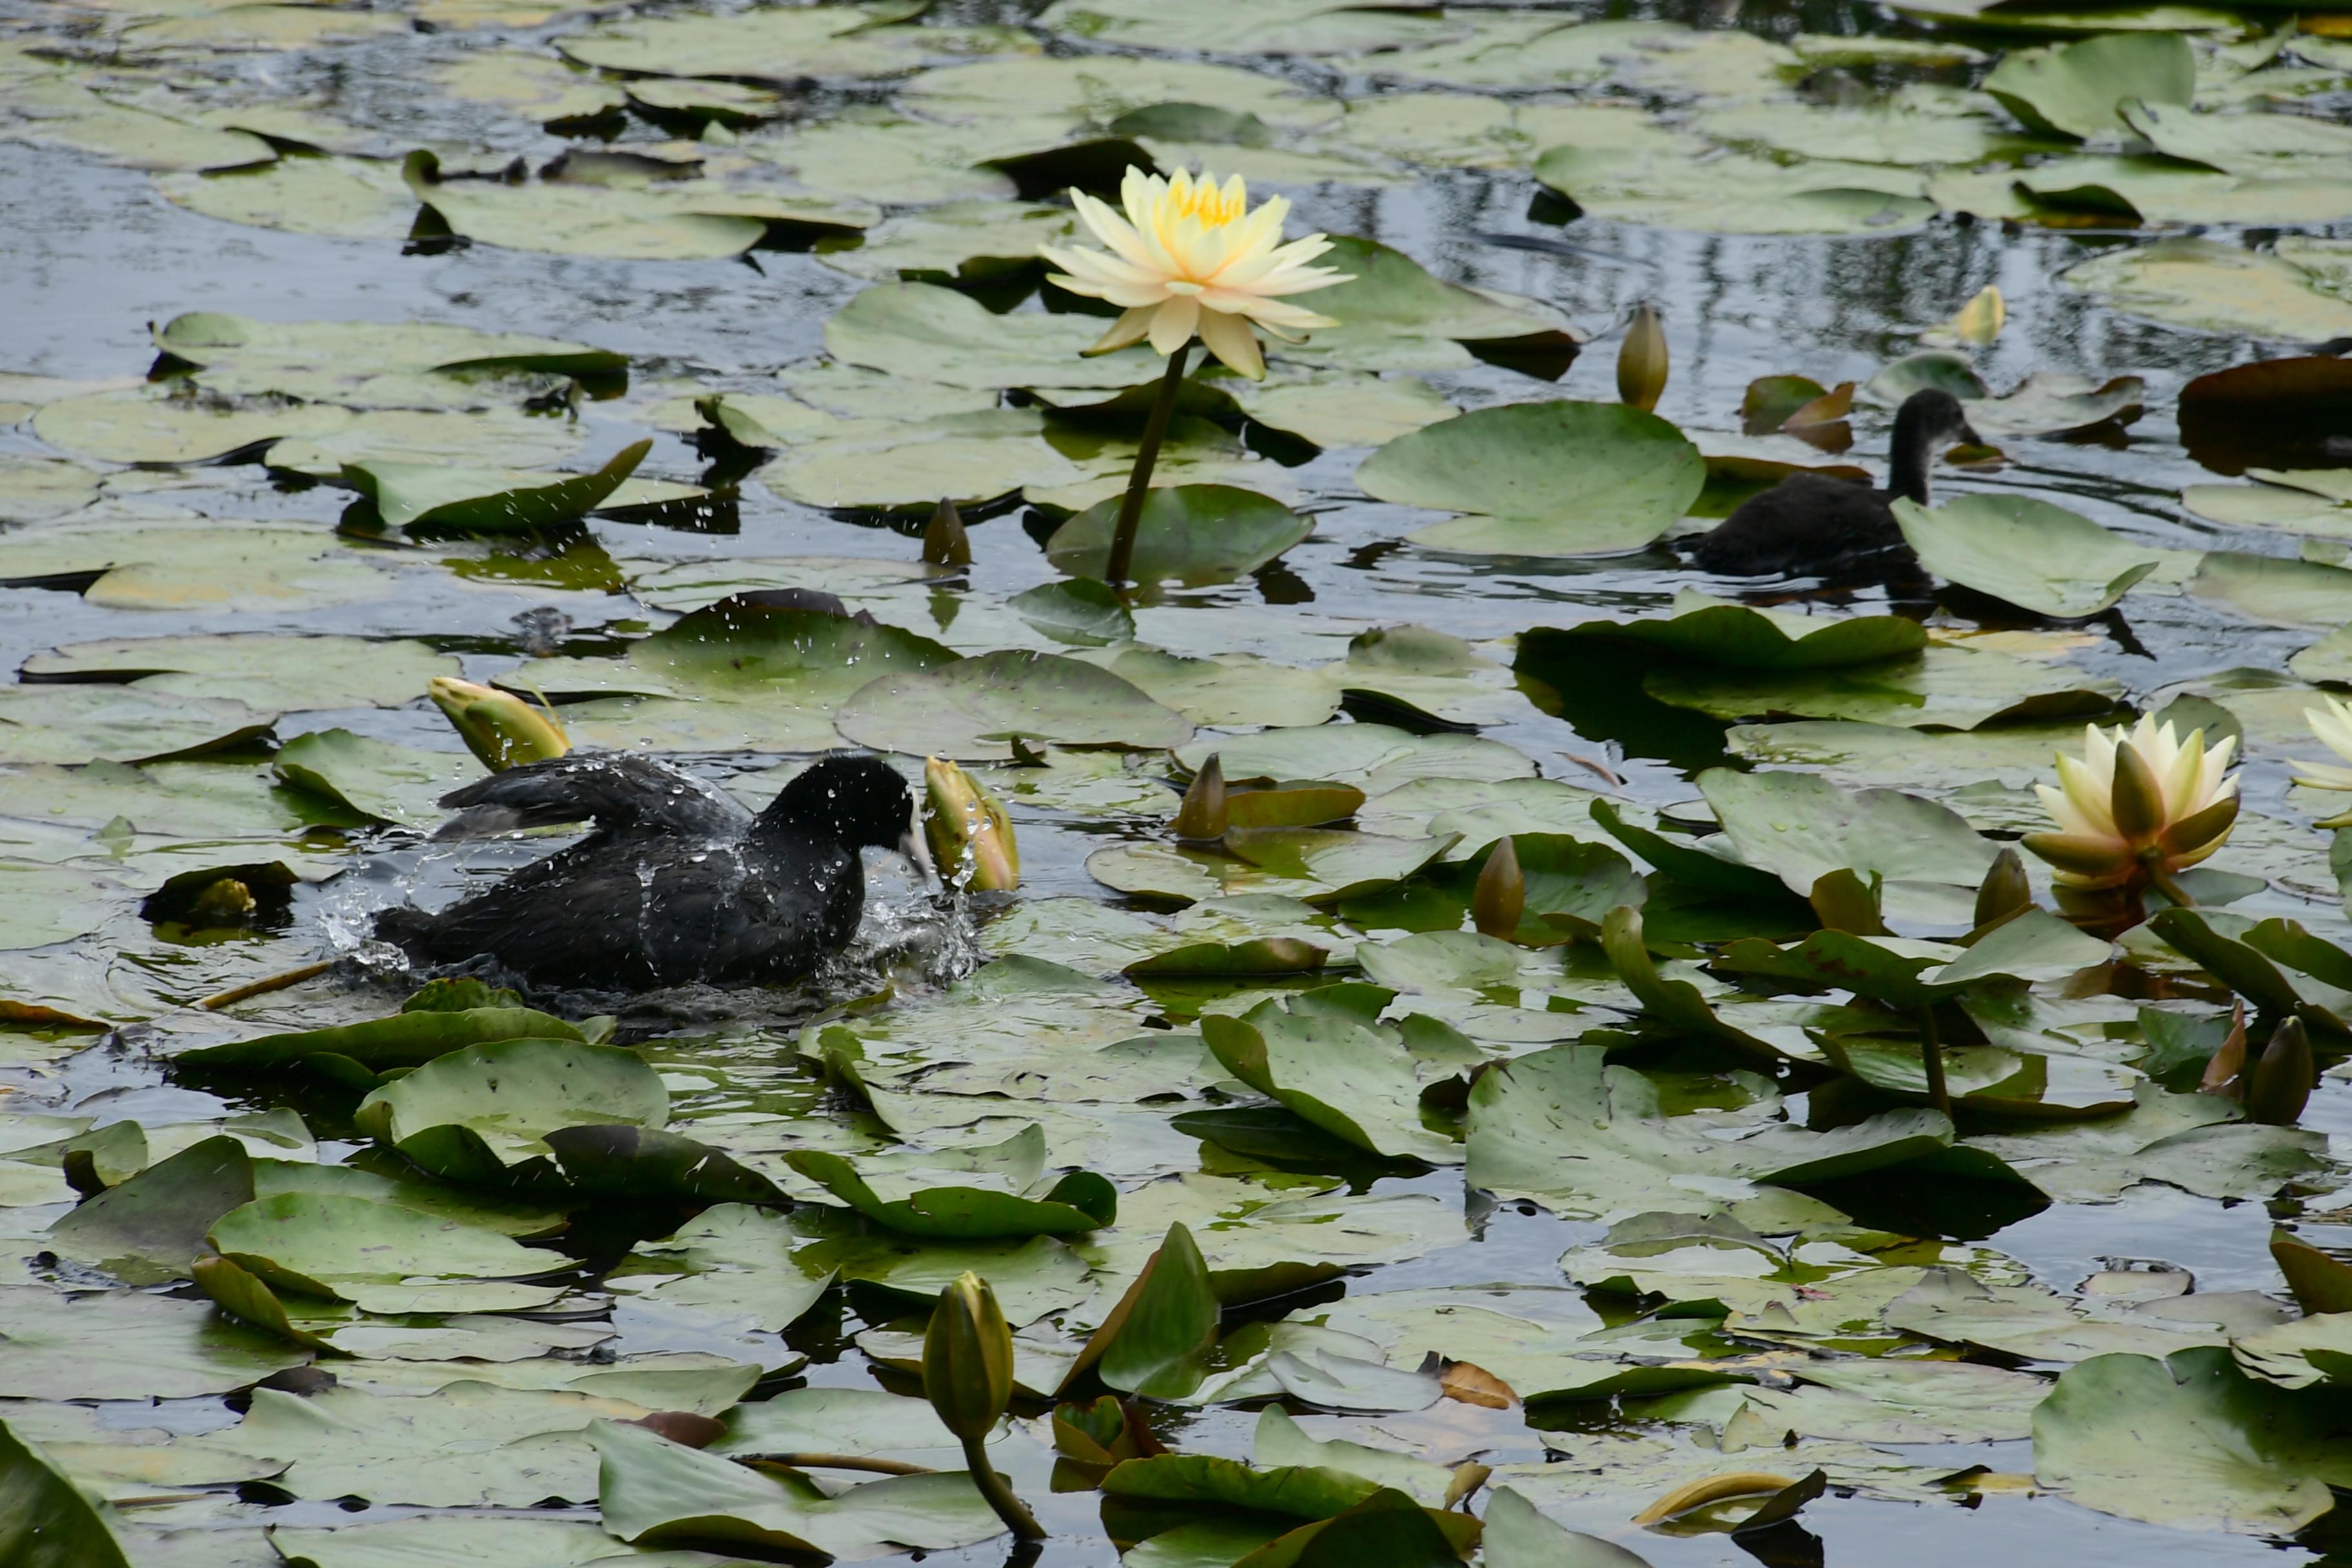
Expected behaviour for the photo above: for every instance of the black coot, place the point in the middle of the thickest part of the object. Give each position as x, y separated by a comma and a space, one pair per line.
1815, 525
678, 882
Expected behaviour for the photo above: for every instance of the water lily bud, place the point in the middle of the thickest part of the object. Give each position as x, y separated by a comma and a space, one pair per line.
1202, 814
1501, 894
1981, 319
2279, 1086
945, 543
225, 902
2004, 890
967, 1359
970, 837
1642, 359
497, 727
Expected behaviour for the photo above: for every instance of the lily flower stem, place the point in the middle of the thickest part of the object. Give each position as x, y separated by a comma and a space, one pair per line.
2172, 889
999, 1492
1139, 484
1931, 1057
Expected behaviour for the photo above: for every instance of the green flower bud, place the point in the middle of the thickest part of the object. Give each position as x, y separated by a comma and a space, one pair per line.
945, 542
497, 727
1501, 894
968, 1360
2004, 890
970, 835
1202, 814
1642, 359
2279, 1085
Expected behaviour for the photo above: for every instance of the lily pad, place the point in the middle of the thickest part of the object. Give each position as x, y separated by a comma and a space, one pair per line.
2189, 1441
1543, 478
156, 1347
46, 1521
376, 779
976, 708
473, 1113
288, 674
1326, 1056
1713, 631
2215, 288
655, 1491
1189, 534
487, 501
2079, 90
381, 1257
2029, 552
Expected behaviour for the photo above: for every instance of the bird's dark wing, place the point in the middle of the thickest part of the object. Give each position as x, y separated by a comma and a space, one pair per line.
623, 795
1807, 523
630, 914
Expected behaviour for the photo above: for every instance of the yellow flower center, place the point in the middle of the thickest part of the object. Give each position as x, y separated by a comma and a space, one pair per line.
1201, 199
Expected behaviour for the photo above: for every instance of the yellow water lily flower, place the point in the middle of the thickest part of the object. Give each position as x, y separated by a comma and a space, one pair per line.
1190, 257
2332, 725
2138, 805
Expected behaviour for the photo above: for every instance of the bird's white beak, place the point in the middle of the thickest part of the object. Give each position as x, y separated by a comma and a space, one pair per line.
911, 845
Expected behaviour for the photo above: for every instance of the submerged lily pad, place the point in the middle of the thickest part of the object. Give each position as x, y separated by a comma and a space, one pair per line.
1543, 478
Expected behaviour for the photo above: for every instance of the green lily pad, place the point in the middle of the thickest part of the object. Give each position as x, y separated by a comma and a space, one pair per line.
348, 198
675, 220
83, 724
1082, 611
2079, 89
780, 46
2215, 288
376, 779
655, 1491
1320, 866
1562, 1128
1395, 315
1374, 757
62, 113
287, 674
1713, 631
147, 1229
2237, 1455
1804, 827
361, 364
975, 708
2030, 553
472, 1113
1326, 1055
1543, 478
199, 563
156, 1347
924, 333
381, 1257
46, 1521
1191, 535
166, 424
1943, 685
768, 677
970, 242
487, 501
1077, 1202
403, 1040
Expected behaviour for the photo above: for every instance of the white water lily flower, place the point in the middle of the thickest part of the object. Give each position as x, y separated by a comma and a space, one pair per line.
2137, 802
2332, 725
1190, 257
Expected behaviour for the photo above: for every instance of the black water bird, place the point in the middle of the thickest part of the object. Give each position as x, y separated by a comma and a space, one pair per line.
677, 881
1816, 525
